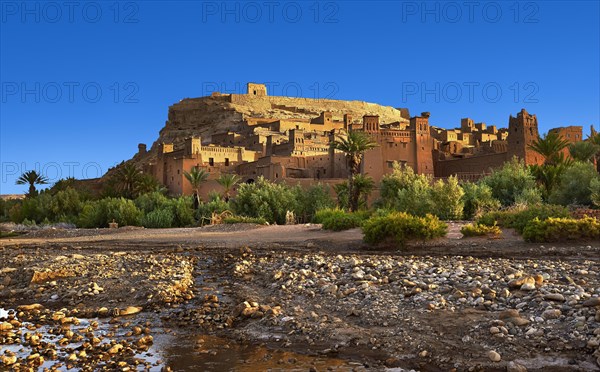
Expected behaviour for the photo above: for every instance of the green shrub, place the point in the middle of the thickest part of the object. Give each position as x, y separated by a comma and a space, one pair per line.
159, 218
475, 229
447, 197
561, 229
417, 194
266, 200
99, 213
92, 215
183, 211
510, 182
15, 213
64, 206
595, 191
529, 197
478, 199
151, 201
399, 227
215, 205
245, 219
518, 217
338, 219
311, 200
574, 185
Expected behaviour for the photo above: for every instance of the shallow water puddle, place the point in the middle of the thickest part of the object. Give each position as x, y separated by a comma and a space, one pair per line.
180, 349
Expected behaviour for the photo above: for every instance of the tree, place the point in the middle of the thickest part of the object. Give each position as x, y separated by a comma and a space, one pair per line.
353, 146
550, 146
196, 178
32, 178
574, 185
583, 151
510, 181
146, 184
594, 138
363, 186
228, 182
126, 179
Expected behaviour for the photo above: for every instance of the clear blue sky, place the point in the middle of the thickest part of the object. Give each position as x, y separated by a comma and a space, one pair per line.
84, 82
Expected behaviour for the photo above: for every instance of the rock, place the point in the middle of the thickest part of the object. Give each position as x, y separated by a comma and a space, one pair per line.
359, 275
554, 297
494, 356
494, 330
30, 307
516, 283
528, 284
594, 301
130, 310
115, 349
551, 314
8, 360
5, 326
515, 367
509, 313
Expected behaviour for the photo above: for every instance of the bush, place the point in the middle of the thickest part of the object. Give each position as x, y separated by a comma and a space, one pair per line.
475, 229
338, 220
64, 206
595, 191
478, 199
183, 211
151, 201
159, 218
561, 229
245, 219
510, 182
264, 199
311, 200
447, 197
215, 205
100, 213
417, 194
399, 227
574, 185
518, 217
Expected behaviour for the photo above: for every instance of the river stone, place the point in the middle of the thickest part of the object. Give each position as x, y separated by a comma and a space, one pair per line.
528, 284
594, 301
494, 356
551, 314
515, 367
554, 297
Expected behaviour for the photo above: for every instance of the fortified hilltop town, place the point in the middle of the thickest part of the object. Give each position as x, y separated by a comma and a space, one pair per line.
288, 139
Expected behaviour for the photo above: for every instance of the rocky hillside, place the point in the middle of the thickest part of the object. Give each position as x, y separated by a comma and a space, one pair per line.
207, 115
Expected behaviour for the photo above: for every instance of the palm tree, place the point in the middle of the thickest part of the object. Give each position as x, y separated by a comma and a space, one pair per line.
32, 178
363, 185
594, 138
127, 179
353, 145
196, 177
583, 151
550, 146
146, 183
228, 181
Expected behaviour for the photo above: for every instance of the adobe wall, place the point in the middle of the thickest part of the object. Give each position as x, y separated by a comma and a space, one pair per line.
469, 165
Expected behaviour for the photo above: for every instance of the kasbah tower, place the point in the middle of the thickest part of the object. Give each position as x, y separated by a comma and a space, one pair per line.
522, 132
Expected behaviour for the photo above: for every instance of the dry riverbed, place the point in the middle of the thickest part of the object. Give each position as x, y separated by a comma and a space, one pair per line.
294, 297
